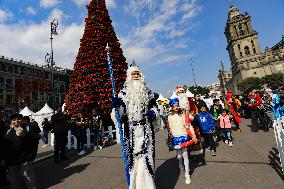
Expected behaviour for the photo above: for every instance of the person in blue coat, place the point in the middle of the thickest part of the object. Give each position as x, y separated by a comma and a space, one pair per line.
278, 108
207, 126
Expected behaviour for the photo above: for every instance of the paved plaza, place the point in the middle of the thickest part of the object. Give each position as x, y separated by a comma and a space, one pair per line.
246, 165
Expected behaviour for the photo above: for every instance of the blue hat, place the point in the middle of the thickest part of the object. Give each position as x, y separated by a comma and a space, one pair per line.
174, 101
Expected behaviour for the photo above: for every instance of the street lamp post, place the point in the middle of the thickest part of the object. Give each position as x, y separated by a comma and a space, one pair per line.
49, 58
190, 62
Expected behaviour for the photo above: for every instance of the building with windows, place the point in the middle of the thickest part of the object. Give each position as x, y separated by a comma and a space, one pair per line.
247, 59
214, 88
25, 84
225, 79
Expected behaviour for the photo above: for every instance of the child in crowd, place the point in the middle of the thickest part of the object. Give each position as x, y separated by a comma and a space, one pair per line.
207, 125
182, 134
80, 133
226, 127
215, 110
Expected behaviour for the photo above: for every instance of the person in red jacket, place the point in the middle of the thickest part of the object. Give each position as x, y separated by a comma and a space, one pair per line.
255, 102
232, 105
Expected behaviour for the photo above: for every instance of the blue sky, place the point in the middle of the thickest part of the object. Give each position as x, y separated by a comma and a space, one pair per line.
160, 35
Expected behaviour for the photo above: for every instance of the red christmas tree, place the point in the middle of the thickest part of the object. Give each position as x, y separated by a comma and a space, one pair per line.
90, 86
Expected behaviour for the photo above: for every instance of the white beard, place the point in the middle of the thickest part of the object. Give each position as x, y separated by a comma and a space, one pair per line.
137, 99
183, 101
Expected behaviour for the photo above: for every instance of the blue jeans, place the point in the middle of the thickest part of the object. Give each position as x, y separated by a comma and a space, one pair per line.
44, 137
97, 138
227, 134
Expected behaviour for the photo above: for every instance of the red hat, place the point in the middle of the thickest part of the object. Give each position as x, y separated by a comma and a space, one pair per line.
179, 89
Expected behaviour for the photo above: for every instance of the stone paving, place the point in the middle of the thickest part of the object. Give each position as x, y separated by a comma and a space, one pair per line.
246, 165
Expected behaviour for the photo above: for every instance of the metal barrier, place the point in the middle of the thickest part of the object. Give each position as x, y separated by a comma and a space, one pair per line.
278, 126
72, 140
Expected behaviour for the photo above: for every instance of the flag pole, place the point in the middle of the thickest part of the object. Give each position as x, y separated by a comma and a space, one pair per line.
117, 115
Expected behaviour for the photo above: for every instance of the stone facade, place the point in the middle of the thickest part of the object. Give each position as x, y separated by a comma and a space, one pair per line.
214, 88
247, 59
225, 78
25, 84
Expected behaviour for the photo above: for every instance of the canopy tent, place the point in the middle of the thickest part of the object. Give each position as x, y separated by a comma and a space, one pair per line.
189, 94
174, 95
45, 112
27, 112
161, 98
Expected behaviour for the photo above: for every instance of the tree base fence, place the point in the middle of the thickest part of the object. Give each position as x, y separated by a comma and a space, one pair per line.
72, 140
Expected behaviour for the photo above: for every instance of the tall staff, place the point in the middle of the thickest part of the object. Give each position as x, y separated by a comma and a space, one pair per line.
117, 115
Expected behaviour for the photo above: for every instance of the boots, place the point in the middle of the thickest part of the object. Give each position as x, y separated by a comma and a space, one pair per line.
187, 179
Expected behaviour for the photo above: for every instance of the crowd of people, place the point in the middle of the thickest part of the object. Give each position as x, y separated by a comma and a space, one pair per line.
194, 124
20, 136
200, 123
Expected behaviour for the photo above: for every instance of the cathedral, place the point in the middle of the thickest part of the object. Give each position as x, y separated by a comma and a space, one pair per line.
247, 59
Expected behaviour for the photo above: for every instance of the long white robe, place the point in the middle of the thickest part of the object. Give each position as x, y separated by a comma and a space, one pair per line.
139, 145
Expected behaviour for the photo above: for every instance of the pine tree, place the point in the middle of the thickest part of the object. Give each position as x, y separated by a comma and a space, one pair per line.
90, 86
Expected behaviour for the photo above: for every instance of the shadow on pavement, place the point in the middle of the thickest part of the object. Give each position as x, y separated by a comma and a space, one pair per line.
49, 174
195, 162
167, 174
168, 180
274, 162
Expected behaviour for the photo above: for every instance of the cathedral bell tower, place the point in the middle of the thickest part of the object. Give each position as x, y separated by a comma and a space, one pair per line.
243, 45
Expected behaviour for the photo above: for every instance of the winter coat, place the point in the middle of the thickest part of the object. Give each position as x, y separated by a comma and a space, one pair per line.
278, 108
218, 111
206, 122
255, 101
2, 134
225, 122
17, 149
34, 131
46, 126
59, 123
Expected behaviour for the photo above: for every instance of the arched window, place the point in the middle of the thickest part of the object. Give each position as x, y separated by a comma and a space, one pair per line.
235, 27
239, 46
247, 52
242, 32
252, 43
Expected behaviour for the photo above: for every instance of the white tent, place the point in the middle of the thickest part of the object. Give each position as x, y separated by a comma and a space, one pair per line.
161, 98
174, 95
189, 94
63, 107
27, 112
45, 112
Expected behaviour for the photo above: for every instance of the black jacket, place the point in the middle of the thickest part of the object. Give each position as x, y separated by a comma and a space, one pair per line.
59, 123
219, 111
34, 134
17, 149
46, 126
2, 134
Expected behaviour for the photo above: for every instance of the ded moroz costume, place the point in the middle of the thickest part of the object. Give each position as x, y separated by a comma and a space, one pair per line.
135, 102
